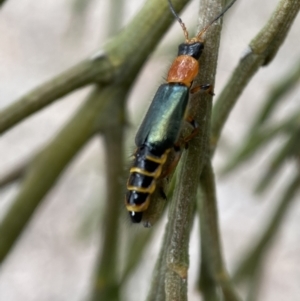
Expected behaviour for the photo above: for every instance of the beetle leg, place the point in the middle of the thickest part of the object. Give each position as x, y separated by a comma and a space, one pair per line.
162, 193
207, 88
195, 130
173, 160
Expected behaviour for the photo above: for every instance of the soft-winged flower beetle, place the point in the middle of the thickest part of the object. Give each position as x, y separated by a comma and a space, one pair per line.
160, 138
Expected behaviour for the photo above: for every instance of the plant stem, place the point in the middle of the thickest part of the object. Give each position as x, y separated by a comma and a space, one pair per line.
262, 50
127, 53
86, 72
157, 290
45, 169
181, 211
210, 235
2, 2
14, 174
206, 283
107, 281
276, 95
118, 61
255, 256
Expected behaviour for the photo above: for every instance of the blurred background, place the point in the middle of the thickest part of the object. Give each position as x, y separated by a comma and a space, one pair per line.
55, 256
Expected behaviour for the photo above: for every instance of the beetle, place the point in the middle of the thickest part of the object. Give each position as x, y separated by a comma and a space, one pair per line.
159, 139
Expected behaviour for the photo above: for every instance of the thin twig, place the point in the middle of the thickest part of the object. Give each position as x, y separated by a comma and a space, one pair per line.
157, 290
255, 284
255, 256
106, 284
86, 72
140, 239
49, 163
289, 150
14, 174
117, 61
2, 2
207, 284
210, 235
181, 212
261, 50
280, 88
260, 138
127, 59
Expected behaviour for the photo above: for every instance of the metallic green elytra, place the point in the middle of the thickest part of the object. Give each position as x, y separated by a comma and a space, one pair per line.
162, 123
155, 139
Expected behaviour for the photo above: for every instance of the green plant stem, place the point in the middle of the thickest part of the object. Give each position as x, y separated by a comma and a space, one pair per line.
181, 211
86, 72
45, 169
280, 88
106, 285
290, 149
255, 284
206, 283
127, 59
157, 290
118, 61
261, 137
2, 2
210, 235
255, 257
14, 174
140, 240
125, 54
262, 50
129, 49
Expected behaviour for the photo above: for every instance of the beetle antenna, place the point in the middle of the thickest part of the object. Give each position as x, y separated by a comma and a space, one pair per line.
214, 20
185, 32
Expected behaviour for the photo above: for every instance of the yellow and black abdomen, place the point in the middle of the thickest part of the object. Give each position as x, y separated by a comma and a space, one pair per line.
145, 171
